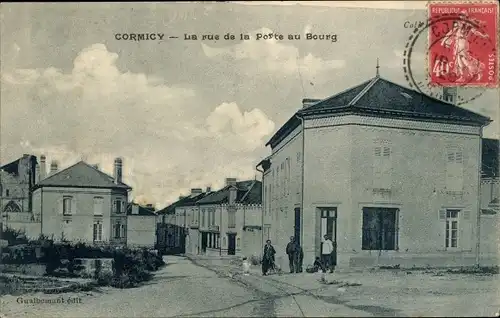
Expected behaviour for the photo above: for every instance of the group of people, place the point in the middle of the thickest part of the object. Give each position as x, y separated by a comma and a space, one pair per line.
327, 261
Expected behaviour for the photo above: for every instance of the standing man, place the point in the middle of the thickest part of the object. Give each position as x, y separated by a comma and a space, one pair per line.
326, 254
291, 249
298, 258
268, 257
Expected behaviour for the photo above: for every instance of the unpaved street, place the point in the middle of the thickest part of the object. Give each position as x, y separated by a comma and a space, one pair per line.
184, 288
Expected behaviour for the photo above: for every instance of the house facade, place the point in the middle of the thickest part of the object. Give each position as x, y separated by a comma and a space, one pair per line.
82, 203
173, 227
490, 206
390, 174
141, 226
223, 222
229, 220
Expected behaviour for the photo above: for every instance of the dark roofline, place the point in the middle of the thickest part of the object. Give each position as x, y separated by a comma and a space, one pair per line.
294, 121
38, 186
225, 189
118, 186
143, 211
184, 202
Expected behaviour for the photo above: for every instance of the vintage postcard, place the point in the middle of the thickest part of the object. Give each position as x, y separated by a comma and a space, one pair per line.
250, 159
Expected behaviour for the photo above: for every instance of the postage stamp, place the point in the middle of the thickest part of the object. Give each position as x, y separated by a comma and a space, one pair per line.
463, 44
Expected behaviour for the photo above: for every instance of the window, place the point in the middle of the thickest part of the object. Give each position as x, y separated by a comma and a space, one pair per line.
451, 229
97, 232
124, 230
265, 199
118, 206
117, 230
382, 167
283, 179
213, 216
288, 174
278, 182
98, 205
67, 203
380, 230
12, 207
328, 223
7, 192
454, 170
231, 218
202, 217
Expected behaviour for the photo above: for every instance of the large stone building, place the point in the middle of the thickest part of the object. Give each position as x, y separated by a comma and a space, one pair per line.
82, 203
392, 175
17, 180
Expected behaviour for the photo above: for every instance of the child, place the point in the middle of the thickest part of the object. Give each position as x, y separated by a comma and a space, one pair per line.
317, 265
246, 266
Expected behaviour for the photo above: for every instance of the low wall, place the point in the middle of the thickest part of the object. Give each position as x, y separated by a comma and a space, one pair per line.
32, 230
89, 265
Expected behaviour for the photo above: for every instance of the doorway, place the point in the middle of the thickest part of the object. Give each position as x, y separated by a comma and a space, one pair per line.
329, 227
203, 242
231, 244
296, 228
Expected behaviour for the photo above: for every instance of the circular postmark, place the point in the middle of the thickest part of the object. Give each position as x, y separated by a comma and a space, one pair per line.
421, 73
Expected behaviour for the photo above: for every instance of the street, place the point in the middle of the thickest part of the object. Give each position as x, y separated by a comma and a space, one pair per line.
184, 288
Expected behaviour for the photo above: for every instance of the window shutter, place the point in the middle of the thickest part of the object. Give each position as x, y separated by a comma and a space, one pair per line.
466, 240
73, 206
442, 215
387, 152
123, 206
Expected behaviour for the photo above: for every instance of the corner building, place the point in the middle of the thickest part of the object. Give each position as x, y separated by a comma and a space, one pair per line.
392, 175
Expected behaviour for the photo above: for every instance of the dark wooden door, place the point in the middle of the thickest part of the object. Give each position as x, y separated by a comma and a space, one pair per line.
231, 244
296, 230
203, 242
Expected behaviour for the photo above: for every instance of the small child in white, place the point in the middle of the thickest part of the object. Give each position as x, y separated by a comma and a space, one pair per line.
246, 266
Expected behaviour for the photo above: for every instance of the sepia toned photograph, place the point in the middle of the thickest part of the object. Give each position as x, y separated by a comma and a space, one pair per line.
250, 159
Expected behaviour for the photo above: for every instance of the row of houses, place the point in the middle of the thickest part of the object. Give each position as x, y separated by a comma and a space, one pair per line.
391, 175
79, 204
223, 222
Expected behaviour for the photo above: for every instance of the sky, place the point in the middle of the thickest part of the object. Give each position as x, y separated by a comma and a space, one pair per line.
185, 113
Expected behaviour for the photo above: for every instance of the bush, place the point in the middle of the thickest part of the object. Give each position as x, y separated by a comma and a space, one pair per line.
14, 237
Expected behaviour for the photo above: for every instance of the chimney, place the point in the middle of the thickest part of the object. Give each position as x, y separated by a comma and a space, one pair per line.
150, 206
209, 189
232, 190
135, 208
53, 167
230, 181
118, 170
196, 191
306, 102
96, 166
43, 167
37, 174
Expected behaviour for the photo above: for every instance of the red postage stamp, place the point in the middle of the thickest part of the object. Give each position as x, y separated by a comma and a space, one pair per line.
463, 44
